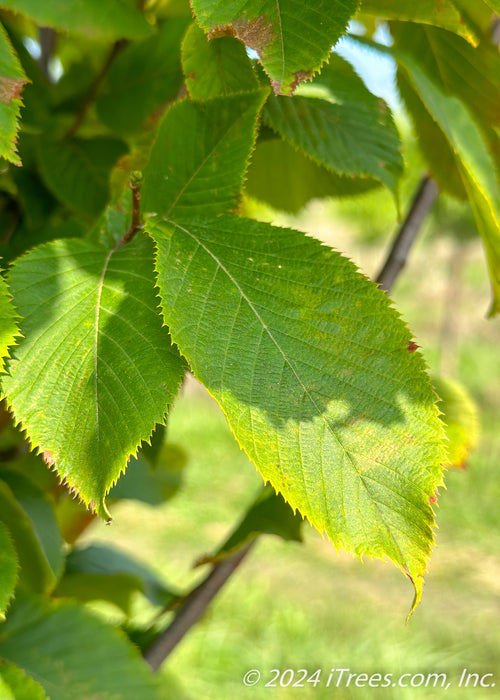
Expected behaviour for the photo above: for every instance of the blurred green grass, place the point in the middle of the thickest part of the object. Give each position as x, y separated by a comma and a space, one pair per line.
304, 606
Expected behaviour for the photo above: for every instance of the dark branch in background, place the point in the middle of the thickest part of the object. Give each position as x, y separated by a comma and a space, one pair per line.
423, 200
94, 88
194, 607
47, 38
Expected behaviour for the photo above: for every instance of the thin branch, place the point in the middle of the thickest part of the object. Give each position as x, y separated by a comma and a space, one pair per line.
136, 223
47, 38
94, 88
194, 607
425, 197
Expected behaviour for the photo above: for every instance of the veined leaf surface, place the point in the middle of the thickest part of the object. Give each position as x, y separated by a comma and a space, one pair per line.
217, 67
95, 370
8, 325
345, 128
293, 39
200, 156
12, 80
312, 368
72, 654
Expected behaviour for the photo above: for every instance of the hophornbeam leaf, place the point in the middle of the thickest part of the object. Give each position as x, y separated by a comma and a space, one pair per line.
95, 370
317, 376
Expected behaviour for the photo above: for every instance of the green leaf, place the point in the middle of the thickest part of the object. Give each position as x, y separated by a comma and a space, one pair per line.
216, 67
200, 156
312, 368
287, 179
471, 74
73, 654
270, 515
474, 161
35, 572
8, 569
342, 127
102, 562
460, 418
152, 484
38, 507
444, 13
8, 322
117, 19
292, 39
144, 76
77, 171
12, 81
16, 685
95, 356
494, 4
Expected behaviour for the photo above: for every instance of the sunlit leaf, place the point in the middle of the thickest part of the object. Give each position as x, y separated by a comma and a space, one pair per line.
95, 370
8, 322
315, 374
200, 156
292, 39
15, 684
12, 81
341, 125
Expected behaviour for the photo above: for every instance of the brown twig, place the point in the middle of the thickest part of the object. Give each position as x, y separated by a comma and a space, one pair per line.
94, 88
47, 38
136, 223
194, 607
421, 205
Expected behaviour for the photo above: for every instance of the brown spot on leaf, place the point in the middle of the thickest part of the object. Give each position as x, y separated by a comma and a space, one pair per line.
10, 88
49, 459
412, 346
433, 499
256, 33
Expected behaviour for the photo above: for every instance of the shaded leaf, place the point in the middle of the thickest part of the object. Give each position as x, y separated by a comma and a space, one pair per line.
292, 39
152, 484
216, 67
118, 19
200, 156
460, 418
270, 515
343, 127
77, 171
472, 74
287, 179
144, 76
445, 14
8, 569
94, 354
8, 322
35, 572
474, 161
38, 508
74, 655
311, 367
99, 565
15, 684
12, 81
